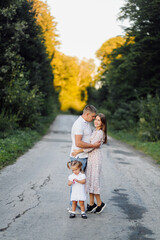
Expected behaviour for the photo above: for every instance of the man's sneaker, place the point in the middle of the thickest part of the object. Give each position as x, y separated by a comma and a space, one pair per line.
90, 208
84, 216
100, 208
72, 215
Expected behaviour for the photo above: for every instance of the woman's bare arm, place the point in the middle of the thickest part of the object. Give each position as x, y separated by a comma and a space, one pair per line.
79, 143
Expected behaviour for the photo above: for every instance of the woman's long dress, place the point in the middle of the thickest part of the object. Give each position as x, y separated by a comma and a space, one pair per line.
94, 164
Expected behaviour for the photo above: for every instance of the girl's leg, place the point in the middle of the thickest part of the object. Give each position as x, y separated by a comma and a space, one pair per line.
81, 203
98, 199
91, 197
74, 204
83, 214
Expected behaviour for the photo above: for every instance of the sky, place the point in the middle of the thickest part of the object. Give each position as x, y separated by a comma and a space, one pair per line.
84, 25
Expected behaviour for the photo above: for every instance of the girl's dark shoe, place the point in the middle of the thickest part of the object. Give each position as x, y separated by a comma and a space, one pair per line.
72, 215
90, 208
84, 216
100, 208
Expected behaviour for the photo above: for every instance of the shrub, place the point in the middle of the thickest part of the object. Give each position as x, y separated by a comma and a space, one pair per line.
7, 123
126, 116
149, 118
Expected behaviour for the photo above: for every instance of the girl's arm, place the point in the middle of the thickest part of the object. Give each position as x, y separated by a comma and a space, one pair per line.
70, 183
83, 181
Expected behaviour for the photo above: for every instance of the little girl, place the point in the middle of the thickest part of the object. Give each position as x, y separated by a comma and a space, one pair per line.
77, 179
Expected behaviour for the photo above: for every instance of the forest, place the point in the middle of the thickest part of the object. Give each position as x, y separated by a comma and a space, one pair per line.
37, 81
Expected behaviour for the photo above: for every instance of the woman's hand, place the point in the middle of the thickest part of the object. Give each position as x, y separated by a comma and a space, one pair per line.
76, 151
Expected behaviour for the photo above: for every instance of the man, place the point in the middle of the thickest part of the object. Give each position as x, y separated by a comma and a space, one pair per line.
81, 133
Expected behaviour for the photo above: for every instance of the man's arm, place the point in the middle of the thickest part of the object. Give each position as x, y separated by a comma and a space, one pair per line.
79, 143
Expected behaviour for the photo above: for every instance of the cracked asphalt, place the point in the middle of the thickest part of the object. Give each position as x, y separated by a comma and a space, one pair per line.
34, 195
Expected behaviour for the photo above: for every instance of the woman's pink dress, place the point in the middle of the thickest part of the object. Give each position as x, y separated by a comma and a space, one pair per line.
94, 164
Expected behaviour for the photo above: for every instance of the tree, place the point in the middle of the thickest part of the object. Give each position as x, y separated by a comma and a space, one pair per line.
105, 50
71, 79
48, 26
25, 73
145, 27
131, 71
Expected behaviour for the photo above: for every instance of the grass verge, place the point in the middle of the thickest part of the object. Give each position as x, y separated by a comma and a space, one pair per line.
152, 149
17, 142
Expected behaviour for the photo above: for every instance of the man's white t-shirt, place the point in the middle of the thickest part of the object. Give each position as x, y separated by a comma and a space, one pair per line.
80, 127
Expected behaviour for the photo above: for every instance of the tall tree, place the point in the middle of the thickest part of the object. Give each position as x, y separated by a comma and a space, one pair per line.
145, 27
48, 25
131, 71
25, 72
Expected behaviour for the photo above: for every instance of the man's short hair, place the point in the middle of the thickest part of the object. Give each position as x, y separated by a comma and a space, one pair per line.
89, 108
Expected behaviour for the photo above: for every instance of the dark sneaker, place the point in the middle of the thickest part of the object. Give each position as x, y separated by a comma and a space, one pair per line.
84, 216
90, 208
100, 208
72, 215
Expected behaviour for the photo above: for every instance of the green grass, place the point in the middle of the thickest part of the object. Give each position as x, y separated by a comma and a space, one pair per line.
151, 149
15, 143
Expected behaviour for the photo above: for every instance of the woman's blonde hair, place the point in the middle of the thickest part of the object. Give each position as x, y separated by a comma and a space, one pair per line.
104, 125
76, 163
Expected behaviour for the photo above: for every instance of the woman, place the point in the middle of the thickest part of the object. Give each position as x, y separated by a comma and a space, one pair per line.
94, 164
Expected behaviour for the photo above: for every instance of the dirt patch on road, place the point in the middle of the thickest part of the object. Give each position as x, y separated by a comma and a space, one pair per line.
133, 212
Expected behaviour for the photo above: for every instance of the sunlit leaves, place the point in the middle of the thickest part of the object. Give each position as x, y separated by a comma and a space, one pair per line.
48, 25
104, 52
71, 78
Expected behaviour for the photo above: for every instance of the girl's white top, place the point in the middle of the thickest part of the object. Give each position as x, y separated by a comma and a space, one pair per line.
78, 189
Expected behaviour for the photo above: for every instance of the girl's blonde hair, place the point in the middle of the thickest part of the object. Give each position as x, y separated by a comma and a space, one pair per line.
76, 163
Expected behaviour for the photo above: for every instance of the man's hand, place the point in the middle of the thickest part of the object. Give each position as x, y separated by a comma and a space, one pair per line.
97, 144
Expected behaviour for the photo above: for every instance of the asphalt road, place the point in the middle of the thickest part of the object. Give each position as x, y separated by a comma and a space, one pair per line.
34, 195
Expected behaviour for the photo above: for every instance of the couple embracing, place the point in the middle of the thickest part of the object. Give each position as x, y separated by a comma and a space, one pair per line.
85, 161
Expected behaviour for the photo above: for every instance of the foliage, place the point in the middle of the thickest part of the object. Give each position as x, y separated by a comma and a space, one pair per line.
71, 78
131, 137
149, 118
48, 25
13, 143
7, 123
130, 71
25, 74
105, 50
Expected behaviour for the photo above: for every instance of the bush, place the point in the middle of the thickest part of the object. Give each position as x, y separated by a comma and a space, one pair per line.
7, 123
23, 102
125, 116
149, 119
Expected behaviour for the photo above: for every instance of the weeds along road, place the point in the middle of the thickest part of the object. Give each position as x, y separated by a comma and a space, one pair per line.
34, 195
